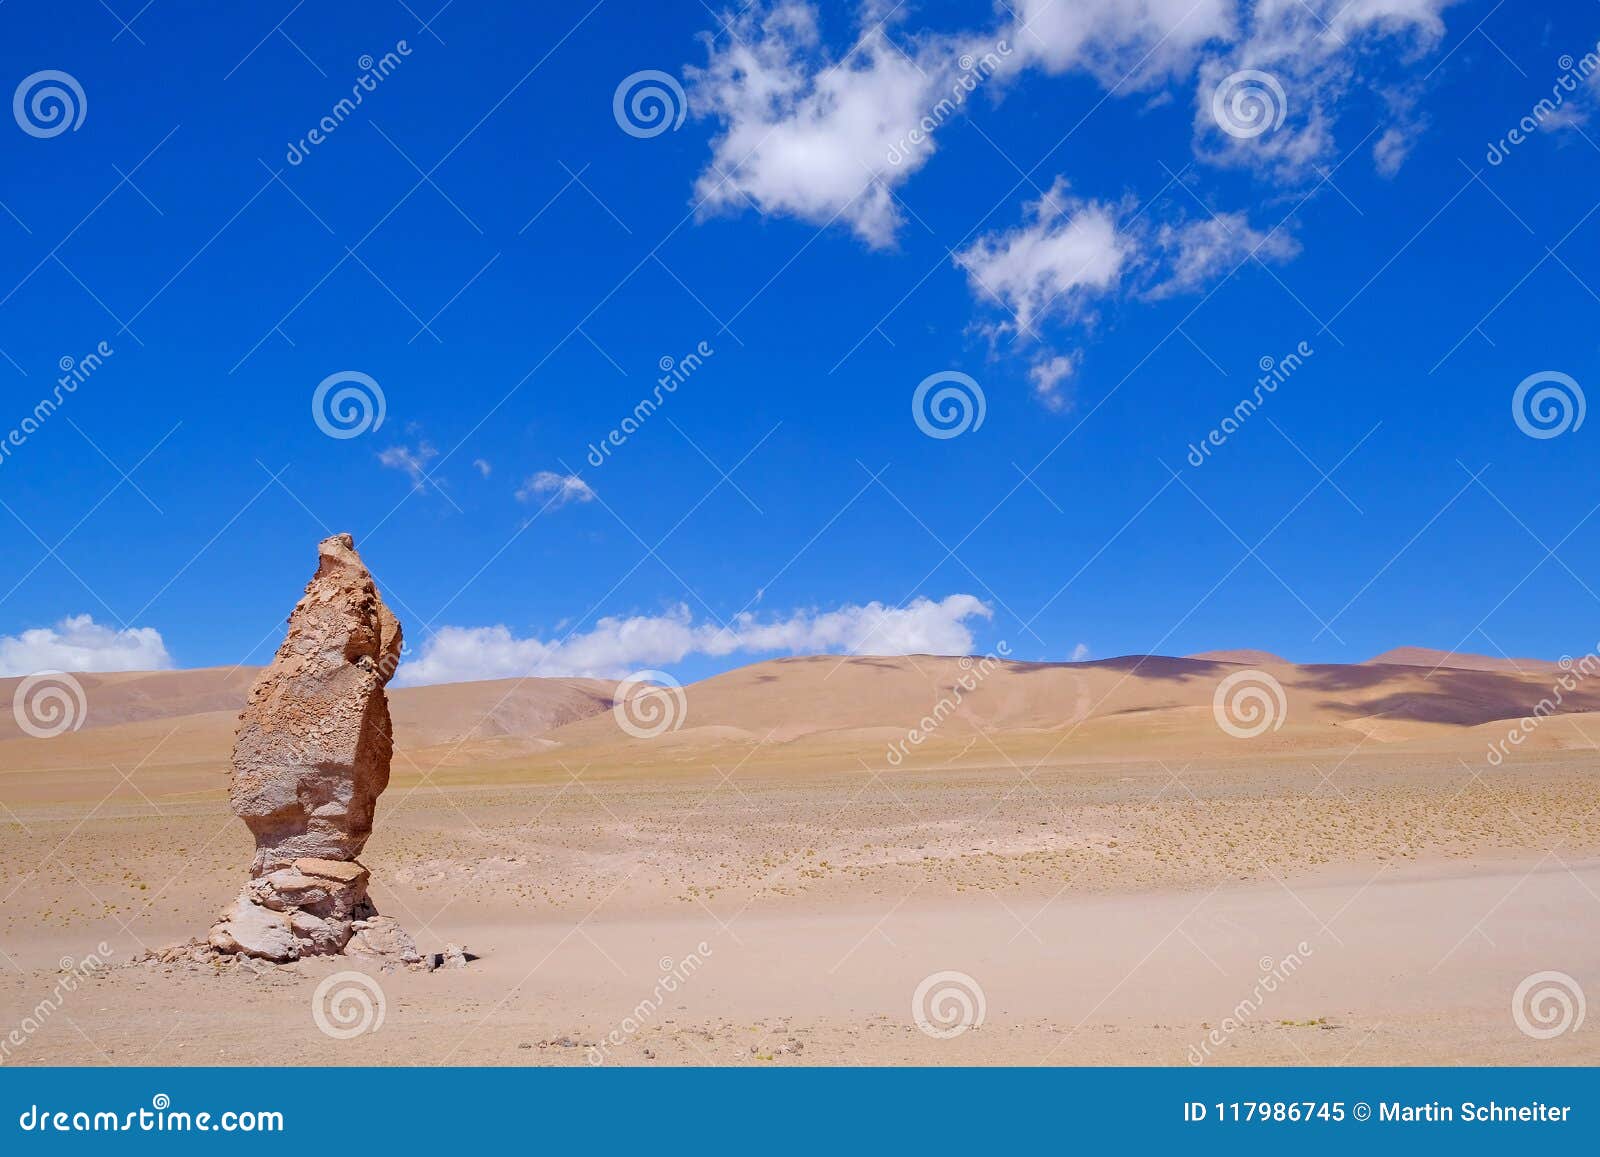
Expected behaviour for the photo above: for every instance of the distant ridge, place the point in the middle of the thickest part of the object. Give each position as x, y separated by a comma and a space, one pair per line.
1241, 655
1427, 657
919, 707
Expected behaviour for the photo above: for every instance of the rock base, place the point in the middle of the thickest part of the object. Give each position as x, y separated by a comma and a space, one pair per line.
314, 907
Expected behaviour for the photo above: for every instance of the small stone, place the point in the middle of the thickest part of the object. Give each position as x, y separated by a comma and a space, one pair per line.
252, 930
345, 871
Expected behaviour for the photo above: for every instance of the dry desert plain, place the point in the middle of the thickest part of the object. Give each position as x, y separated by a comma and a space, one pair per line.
1116, 875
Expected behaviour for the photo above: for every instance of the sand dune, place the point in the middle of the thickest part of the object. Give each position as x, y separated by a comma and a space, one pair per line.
1121, 706
130, 696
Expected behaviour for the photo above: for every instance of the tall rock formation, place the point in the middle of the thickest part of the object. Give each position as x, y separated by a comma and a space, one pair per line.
310, 759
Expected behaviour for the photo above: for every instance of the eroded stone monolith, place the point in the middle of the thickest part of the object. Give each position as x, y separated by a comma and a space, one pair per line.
310, 758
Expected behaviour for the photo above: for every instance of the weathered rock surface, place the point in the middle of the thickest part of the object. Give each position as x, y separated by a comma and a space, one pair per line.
310, 759
383, 936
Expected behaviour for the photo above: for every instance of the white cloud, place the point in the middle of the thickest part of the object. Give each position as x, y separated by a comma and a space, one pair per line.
563, 488
1390, 150
482, 466
1315, 52
1576, 107
414, 462
808, 135
1190, 255
618, 646
1068, 251
1071, 252
1121, 43
812, 133
1048, 376
78, 643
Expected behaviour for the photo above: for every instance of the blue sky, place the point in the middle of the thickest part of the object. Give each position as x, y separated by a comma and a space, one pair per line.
1080, 235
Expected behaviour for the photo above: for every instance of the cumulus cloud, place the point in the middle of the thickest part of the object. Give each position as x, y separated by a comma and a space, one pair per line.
1121, 43
809, 132
78, 643
1070, 253
563, 488
618, 646
1067, 251
820, 137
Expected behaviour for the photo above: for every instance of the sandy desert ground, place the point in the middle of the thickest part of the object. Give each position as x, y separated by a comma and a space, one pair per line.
1077, 857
